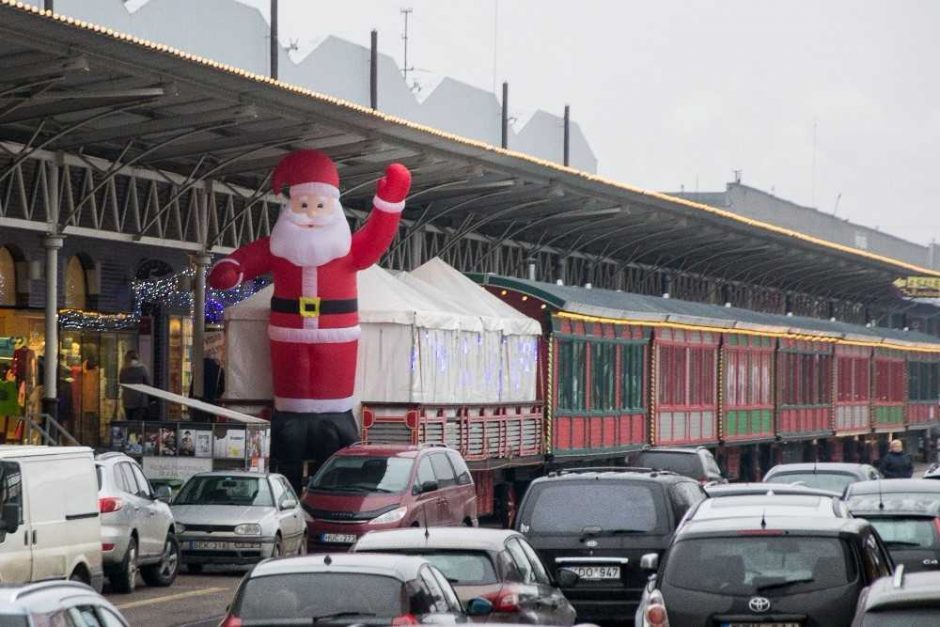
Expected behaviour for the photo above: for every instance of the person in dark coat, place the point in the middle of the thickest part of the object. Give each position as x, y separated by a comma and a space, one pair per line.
135, 403
896, 464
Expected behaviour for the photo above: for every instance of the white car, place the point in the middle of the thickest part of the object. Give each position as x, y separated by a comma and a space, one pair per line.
137, 530
238, 518
56, 603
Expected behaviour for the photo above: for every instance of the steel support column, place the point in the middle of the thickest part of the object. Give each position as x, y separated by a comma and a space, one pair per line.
200, 264
52, 243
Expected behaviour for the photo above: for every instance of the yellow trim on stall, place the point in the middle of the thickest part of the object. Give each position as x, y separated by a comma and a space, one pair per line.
777, 334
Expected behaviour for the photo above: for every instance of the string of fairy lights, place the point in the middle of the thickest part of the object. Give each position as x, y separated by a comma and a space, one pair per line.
174, 292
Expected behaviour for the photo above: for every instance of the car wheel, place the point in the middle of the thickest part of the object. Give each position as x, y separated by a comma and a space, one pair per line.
124, 579
163, 573
193, 569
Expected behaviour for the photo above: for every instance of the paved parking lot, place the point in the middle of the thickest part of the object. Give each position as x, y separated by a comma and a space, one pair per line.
193, 601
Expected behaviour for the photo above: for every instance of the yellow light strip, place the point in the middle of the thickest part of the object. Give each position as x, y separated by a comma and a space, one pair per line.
707, 329
593, 178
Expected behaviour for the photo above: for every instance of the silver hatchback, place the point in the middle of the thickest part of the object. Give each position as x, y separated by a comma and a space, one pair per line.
138, 533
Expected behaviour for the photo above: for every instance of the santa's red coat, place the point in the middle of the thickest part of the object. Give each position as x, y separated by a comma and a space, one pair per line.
313, 359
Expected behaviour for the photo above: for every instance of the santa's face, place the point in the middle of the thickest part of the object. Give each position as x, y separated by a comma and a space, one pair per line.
312, 228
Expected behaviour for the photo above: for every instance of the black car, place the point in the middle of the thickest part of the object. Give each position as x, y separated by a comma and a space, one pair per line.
696, 463
906, 513
598, 523
764, 570
348, 589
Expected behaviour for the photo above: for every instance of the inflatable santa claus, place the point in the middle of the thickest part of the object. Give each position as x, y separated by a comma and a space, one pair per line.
314, 324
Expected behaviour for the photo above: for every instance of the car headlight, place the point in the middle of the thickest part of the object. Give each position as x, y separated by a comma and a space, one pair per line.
389, 517
248, 529
180, 527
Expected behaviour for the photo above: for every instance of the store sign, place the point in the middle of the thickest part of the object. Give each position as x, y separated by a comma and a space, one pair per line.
175, 467
919, 286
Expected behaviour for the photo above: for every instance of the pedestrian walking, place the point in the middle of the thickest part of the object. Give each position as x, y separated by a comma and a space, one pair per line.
896, 464
135, 403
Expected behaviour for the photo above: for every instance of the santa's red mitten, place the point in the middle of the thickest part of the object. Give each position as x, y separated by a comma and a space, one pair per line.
392, 189
225, 275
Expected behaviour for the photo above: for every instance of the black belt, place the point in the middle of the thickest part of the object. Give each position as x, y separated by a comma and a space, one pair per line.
313, 306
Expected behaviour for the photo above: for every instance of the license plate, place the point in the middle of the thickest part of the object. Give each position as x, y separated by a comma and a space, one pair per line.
760, 625
595, 573
208, 545
337, 538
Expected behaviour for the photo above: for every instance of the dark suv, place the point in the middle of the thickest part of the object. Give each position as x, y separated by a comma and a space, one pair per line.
697, 463
598, 522
764, 570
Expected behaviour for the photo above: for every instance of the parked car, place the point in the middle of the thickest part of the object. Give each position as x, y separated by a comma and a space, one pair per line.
904, 600
49, 521
496, 564
716, 491
697, 463
369, 487
56, 603
763, 570
755, 506
906, 513
599, 523
343, 588
137, 529
832, 476
237, 518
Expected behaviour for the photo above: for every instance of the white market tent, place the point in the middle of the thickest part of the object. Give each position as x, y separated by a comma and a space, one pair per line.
421, 343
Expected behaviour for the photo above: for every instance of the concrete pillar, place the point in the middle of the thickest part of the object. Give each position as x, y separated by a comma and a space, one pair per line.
200, 263
52, 244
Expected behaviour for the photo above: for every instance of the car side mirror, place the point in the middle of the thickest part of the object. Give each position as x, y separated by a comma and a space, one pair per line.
567, 578
428, 486
288, 503
10, 517
478, 606
650, 562
163, 493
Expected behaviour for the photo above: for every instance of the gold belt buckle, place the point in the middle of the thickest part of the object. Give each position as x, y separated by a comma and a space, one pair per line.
309, 306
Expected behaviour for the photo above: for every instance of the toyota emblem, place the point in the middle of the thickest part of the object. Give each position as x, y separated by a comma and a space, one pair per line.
759, 604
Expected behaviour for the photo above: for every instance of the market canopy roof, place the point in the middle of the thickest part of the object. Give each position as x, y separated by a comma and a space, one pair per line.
614, 305
87, 96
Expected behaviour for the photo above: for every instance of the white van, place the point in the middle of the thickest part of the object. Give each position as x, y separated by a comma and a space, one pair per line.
49, 522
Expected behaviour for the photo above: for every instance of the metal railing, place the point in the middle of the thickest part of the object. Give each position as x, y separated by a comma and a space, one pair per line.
50, 431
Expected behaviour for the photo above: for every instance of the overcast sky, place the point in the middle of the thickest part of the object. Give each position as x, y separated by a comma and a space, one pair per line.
677, 93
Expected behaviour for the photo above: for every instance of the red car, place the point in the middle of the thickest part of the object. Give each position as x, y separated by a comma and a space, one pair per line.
369, 487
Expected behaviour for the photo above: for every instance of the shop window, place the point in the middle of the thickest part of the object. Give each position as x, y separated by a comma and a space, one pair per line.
571, 379
76, 290
632, 376
7, 277
603, 387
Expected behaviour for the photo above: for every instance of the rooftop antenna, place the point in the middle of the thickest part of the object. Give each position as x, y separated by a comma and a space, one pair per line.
881, 502
404, 36
835, 209
763, 519
327, 560
812, 191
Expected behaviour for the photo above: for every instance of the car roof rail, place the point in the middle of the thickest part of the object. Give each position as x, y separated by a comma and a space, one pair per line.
110, 454
899, 576
624, 469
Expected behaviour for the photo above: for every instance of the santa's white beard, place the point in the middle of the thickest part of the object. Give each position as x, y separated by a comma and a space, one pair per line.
305, 246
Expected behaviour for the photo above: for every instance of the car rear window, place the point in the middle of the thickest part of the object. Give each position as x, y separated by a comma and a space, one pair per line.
462, 568
9, 620
571, 506
315, 596
685, 464
910, 501
903, 532
361, 473
745, 565
903, 617
833, 481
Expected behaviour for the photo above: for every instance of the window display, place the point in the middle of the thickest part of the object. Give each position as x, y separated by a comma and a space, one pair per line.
179, 359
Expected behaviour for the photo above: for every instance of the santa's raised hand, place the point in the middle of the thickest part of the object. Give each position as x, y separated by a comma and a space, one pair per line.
393, 187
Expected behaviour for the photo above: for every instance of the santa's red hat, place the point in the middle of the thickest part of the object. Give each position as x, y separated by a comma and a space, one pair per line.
307, 171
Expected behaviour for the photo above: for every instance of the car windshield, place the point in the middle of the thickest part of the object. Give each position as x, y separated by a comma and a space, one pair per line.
462, 568
361, 473
747, 565
825, 480
685, 464
310, 596
903, 617
903, 532
598, 507
225, 490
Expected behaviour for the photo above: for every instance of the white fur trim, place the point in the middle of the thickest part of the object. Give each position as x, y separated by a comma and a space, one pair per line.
319, 405
241, 273
314, 336
390, 207
317, 189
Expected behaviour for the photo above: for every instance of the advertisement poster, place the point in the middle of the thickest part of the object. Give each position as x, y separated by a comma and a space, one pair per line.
151, 440
167, 441
229, 442
118, 437
203, 443
135, 440
187, 442
174, 467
